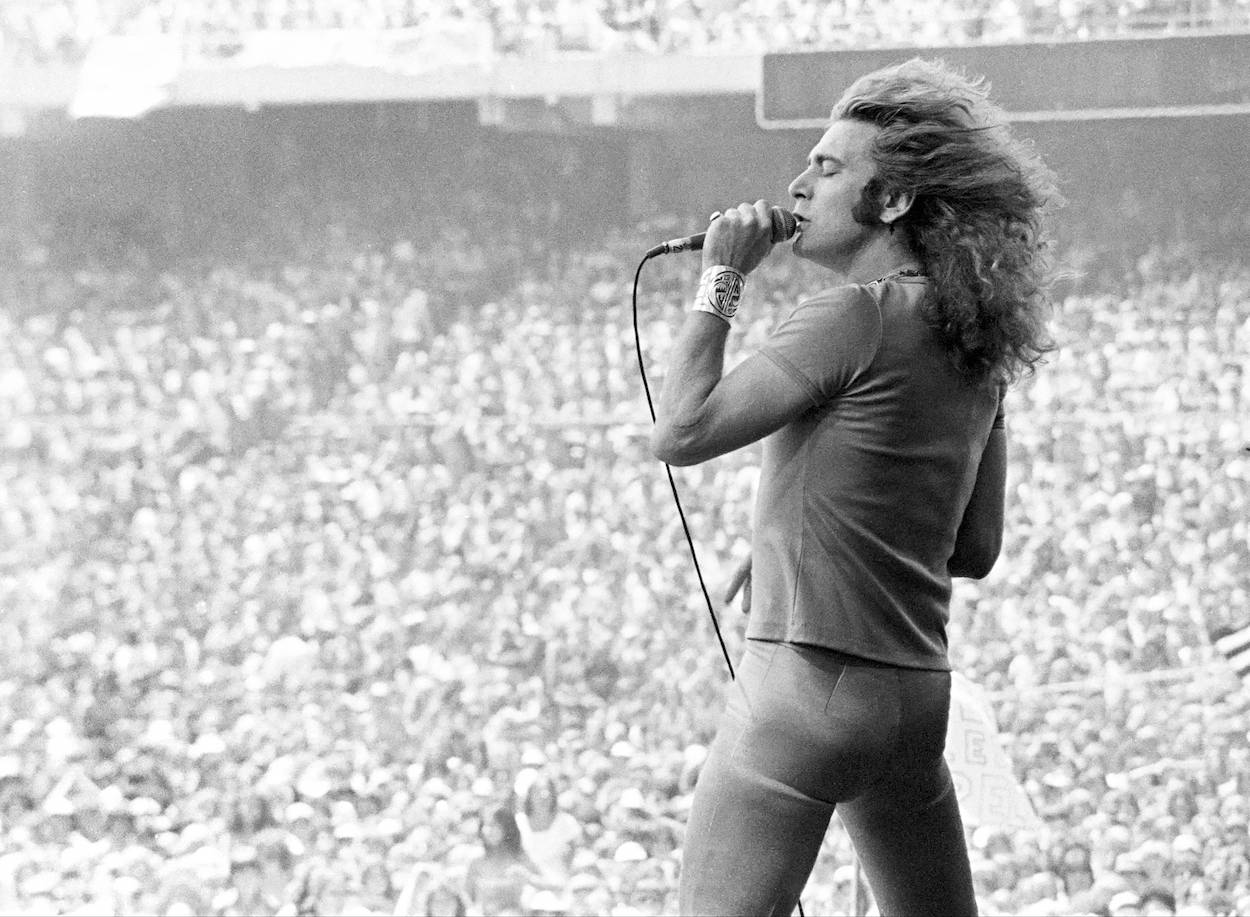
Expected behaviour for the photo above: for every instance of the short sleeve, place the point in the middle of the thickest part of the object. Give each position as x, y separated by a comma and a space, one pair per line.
827, 341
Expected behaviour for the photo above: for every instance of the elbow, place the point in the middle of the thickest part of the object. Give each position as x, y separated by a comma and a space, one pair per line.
973, 569
975, 561
673, 449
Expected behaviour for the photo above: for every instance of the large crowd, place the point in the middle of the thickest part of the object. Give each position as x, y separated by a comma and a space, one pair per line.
339, 581
49, 31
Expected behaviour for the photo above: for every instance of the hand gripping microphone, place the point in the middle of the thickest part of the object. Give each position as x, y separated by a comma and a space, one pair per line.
784, 227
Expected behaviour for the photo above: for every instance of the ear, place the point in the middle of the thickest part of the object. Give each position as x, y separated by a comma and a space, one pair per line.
895, 206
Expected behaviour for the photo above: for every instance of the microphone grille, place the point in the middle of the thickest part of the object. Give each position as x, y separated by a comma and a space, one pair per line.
784, 224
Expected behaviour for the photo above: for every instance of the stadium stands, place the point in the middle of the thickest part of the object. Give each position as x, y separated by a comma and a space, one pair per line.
330, 544
44, 31
308, 570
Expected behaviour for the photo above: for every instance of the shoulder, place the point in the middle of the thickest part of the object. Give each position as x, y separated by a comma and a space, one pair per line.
828, 340
853, 310
849, 300
847, 316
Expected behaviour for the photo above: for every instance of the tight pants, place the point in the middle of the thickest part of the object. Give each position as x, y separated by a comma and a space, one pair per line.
808, 729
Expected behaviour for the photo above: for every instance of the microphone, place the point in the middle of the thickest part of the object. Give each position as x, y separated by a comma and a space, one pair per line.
784, 228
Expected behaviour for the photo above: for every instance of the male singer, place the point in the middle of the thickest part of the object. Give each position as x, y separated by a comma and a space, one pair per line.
883, 477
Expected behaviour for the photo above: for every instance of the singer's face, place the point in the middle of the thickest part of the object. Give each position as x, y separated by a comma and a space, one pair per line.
827, 191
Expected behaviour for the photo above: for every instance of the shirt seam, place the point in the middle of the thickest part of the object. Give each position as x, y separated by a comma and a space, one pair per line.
809, 389
876, 348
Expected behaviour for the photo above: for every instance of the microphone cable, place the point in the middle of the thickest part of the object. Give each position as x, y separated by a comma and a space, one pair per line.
672, 483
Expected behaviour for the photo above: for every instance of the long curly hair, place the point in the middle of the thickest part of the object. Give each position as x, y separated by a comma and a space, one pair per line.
977, 220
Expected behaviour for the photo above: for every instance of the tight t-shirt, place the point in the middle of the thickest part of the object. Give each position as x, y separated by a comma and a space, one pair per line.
861, 497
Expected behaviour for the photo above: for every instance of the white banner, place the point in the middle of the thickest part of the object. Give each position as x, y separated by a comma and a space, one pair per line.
125, 76
989, 793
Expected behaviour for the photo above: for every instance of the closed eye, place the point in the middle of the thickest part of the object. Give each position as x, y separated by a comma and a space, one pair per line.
828, 165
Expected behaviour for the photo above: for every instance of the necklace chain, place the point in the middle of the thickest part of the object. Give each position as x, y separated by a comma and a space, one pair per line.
901, 272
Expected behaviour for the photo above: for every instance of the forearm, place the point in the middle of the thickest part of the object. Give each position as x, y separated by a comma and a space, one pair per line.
980, 535
694, 369
696, 419
970, 562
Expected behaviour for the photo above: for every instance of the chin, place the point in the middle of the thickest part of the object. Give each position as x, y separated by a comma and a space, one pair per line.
802, 248
797, 246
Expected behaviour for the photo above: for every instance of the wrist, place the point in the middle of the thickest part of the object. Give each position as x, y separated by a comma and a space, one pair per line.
720, 291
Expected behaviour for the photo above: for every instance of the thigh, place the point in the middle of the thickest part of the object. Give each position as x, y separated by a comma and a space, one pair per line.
915, 862
906, 828
750, 843
751, 840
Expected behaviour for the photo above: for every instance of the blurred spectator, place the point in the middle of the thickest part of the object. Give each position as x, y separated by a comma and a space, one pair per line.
247, 892
1158, 902
549, 835
1075, 871
497, 880
443, 901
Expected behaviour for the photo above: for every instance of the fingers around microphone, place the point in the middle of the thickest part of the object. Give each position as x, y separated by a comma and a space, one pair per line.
743, 215
757, 216
745, 222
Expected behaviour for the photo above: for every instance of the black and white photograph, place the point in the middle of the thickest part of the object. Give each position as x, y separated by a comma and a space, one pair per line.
624, 458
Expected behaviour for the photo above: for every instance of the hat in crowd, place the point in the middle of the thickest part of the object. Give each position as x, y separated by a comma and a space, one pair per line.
298, 811
10, 766
315, 781
1124, 901
58, 805
630, 852
242, 856
343, 812
1186, 843
436, 788
206, 745
112, 799
584, 860
525, 778
544, 901
631, 799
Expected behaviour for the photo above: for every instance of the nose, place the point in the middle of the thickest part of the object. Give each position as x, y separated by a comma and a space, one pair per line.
799, 189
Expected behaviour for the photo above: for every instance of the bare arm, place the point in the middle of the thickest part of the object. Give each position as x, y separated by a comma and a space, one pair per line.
980, 536
701, 412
